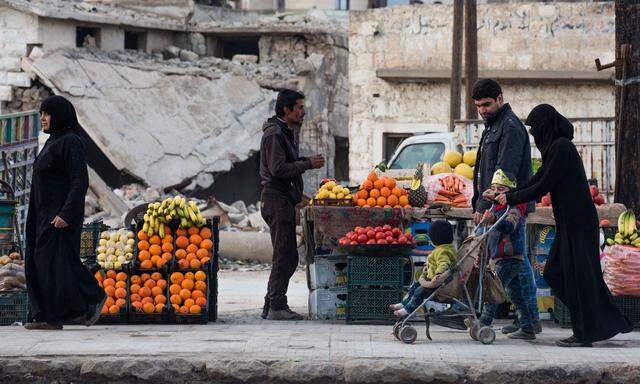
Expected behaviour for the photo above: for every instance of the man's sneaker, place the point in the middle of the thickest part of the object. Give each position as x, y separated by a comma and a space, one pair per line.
42, 326
283, 314
511, 328
94, 313
572, 342
522, 335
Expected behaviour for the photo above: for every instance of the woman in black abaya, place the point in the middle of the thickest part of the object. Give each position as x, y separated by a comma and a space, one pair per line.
60, 287
573, 268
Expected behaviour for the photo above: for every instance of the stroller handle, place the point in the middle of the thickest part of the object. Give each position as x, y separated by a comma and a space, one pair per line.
482, 224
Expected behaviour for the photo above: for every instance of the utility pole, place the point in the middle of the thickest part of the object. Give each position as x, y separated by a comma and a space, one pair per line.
456, 63
470, 56
627, 64
281, 5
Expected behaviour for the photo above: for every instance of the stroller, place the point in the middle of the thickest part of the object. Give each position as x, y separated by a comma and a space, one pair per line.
457, 282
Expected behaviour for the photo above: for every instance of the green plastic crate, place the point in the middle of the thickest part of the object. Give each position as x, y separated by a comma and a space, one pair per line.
374, 271
14, 306
89, 239
364, 304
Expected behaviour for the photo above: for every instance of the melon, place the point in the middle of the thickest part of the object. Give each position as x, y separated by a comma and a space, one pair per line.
469, 158
440, 167
464, 170
452, 158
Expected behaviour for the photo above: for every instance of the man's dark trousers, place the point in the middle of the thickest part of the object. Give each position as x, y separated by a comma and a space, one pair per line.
280, 215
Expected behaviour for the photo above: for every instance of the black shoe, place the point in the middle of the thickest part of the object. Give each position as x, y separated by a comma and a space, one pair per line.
94, 313
537, 327
265, 309
283, 314
43, 326
522, 335
511, 328
572, 342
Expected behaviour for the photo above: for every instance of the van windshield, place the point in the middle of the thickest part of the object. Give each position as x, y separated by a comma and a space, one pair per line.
413, 154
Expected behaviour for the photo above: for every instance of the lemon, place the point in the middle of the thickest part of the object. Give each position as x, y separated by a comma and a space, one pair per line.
340, 195
332, 196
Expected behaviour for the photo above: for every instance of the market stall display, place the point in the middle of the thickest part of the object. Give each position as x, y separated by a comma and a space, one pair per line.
116, 287
381, 192
332, 193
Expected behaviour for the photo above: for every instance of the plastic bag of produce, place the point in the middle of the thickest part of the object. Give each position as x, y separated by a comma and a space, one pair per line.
449, 188
622, 270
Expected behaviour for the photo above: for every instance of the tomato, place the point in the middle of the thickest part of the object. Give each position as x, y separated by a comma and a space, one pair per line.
379, 236
354, 243
343, 241
371, 234
389, 239
388, 234
402, 240
378, 229
371, 241
362, 239
396, 232
387, 227
382, 242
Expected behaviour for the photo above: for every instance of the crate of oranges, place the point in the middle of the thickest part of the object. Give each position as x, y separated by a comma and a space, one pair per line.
193, 249
148, 299
153, 254
189, 294
116, 287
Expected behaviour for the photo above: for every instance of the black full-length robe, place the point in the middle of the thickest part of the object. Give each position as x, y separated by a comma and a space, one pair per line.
60, 287
573, 268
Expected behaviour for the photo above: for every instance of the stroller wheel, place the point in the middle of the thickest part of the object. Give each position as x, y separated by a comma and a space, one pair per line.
396, 329
486, 335
408, 334
474, 331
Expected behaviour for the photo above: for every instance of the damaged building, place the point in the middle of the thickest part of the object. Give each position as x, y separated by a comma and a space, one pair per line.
172, 94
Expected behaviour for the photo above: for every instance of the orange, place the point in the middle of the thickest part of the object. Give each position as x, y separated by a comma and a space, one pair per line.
185, 294
160, 307
109, 283
155, 259
147, 300
148, 308
206, 244
182, 242
378, 184
111, 274
121, 276
156, 291
191, 256
200, 276
362, 194
196, 294
201, 301
99, 276
181, 232
147, 264
403, 200
162, 283
137, 305
176, 308
175, 299
105, 310
195, 264
386, 192
145, 277
371, 202
150, 283
110, 291
160, 299
361, 202
160, 262
167, 247
189, 276
396, 192
135, 279
175, 289
390, 183
367, 185
189, 302
181, 254
200, 286
156, 276
167, 239
392, 200
121, 284
195, 309
167, 257
144, 255
135, 297
195, 240
183, 264
184, 310
155, 239
187, 284
192, 248
202, 253
142, 235
109, 302
374, 193
155, 250
144, 292
143, 245
373, 176
193, 231
114, 309
205, 259
205, 233
121, 302
382, 201
120, 293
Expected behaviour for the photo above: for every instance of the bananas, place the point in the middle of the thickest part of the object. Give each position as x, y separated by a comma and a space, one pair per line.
627, 231
160, 214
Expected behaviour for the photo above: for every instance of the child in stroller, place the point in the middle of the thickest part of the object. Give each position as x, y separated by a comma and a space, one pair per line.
441, 259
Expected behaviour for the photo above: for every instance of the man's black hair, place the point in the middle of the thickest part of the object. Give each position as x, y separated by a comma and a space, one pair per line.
287, 98
484, 88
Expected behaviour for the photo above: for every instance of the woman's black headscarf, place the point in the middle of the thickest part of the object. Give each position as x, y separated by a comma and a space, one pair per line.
63, 114
547, 125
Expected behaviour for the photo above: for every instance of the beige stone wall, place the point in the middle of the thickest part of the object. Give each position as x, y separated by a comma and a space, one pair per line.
264, 5
516, 36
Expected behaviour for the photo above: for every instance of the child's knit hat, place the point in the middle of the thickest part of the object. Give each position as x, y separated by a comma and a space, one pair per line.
441, 232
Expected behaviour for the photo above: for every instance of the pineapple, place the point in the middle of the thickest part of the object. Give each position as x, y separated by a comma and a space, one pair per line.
417, 193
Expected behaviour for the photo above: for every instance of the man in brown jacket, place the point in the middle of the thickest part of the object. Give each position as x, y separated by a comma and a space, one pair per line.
281, 169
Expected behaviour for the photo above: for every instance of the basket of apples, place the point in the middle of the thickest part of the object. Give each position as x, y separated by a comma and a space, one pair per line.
371, 241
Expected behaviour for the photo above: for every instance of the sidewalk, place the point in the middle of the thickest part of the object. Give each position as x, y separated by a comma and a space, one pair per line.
244, 348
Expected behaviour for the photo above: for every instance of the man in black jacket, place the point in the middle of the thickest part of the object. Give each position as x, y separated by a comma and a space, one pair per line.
504, 149
281, 169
